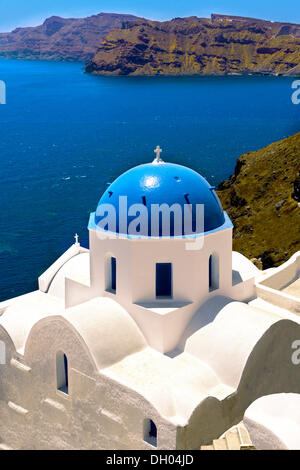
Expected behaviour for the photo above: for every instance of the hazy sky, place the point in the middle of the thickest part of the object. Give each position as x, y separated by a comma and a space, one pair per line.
14, 13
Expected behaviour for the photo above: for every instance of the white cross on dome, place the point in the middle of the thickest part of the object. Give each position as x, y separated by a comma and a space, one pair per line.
158, 159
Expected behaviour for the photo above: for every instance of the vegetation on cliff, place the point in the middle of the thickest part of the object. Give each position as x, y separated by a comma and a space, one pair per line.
216, 46
262, 199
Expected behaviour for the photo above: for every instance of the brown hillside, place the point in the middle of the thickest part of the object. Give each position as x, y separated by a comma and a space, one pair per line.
221, 45
262, 199
61, 39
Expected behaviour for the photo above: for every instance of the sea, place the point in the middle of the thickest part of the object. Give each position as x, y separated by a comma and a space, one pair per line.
64, 134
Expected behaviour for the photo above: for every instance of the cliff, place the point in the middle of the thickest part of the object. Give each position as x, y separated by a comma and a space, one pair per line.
73, 39
262, 199
184, 46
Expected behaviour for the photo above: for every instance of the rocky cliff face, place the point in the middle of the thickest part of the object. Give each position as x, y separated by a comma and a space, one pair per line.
261, 199
216, 46
61, 39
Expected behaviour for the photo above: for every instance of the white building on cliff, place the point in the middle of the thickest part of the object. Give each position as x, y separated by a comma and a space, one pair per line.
146, 342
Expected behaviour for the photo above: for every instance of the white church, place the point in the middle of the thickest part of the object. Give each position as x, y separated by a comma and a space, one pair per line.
153, 342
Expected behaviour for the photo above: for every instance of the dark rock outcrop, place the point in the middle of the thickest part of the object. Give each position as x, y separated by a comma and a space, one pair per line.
296, 191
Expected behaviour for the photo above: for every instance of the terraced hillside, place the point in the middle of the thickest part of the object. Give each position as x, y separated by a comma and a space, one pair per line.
216, 46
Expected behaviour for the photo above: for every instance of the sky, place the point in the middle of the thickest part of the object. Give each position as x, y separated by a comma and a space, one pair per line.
15, 13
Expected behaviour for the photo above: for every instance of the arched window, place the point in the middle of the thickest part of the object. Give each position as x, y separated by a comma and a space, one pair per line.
150, 432
111, 274
163, 279
62, 379
213, 272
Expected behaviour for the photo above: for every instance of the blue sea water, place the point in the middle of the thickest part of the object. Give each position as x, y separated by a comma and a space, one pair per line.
64, 134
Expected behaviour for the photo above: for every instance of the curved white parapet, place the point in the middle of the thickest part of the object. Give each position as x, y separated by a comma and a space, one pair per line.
242, 268
76, 269
223, 334
46, 278
107, 329
273, 422
281, 287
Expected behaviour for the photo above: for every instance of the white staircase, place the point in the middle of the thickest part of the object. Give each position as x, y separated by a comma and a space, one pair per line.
236, 438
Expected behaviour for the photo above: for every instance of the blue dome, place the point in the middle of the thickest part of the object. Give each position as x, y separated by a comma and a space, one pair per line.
165, 183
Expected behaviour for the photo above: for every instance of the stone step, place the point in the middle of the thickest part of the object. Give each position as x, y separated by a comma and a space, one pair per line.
245, 440
220, 444
233, 440
236, 438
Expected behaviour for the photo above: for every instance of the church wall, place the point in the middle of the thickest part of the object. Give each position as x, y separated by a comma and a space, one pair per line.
76, 293
146, 253
11, 390
121, 250
190, 267
136, 260
136, 283
269, 369
98, 413
190, 284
